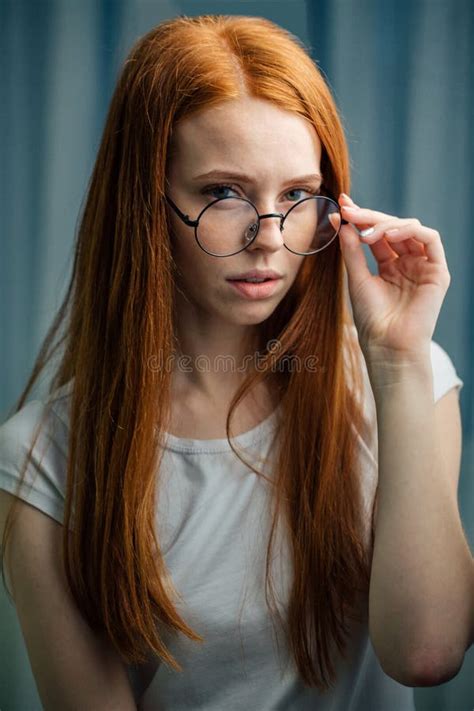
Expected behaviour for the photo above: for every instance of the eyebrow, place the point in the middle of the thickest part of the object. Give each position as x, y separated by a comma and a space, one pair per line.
230, 175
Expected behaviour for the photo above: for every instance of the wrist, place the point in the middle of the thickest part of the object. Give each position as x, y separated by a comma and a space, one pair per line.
388, 368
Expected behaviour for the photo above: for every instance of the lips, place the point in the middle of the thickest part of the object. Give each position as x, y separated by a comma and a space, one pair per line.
256, 274
260, 281
254, 290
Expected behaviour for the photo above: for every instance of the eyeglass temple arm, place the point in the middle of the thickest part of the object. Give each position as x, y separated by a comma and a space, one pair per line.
184, 218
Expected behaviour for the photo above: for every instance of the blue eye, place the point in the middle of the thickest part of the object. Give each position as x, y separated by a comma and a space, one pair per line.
216, 188
297, 190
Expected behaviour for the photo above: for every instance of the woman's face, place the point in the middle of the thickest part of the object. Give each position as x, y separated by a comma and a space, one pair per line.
271, 147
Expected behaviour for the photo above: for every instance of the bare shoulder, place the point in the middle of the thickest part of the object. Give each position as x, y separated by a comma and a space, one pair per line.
80, 670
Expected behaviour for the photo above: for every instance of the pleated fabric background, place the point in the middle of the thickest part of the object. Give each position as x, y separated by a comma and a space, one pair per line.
402, 74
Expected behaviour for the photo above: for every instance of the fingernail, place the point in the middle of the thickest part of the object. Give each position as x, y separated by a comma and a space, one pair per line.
367, 232
347, 197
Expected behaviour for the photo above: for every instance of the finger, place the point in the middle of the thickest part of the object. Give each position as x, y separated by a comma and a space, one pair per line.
381, 249
408, 246
384, 251
361, 215
346, 201
416, 248
429, 238
390, 220
354, 258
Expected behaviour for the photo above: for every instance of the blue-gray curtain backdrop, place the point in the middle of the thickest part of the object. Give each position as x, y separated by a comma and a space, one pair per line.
402, 74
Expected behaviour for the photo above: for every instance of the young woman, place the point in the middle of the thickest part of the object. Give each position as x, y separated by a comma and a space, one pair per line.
201, 530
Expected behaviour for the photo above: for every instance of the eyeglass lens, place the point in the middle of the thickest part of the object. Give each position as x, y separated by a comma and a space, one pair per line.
228, 225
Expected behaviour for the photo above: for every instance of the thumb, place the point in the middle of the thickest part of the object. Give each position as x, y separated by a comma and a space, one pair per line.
352, 252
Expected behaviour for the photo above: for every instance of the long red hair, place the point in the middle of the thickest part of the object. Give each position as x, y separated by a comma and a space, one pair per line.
118, 311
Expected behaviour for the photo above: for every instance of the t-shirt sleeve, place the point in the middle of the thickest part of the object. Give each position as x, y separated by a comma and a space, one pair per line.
445, 375
43, 485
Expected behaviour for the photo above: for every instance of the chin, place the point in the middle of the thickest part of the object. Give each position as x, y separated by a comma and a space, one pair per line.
251, 313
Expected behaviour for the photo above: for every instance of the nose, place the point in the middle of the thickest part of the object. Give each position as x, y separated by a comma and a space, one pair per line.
269, 235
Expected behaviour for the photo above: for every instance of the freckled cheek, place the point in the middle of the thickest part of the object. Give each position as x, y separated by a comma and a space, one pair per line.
294, 267
195, 270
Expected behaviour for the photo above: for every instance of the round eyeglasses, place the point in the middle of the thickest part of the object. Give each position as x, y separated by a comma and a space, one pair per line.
228, 225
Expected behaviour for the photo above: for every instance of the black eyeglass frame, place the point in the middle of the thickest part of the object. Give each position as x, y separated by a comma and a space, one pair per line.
195, 223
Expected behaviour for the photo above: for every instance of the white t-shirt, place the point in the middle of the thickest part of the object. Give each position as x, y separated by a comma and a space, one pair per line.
212, 523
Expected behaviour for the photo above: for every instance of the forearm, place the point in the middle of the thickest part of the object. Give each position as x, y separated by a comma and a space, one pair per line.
421, 587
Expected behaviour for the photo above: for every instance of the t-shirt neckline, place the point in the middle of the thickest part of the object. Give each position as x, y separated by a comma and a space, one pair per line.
187, 444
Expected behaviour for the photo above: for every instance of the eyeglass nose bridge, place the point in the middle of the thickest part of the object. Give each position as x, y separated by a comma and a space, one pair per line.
272, 214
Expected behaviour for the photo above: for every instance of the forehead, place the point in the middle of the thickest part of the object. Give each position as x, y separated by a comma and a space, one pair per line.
247, 134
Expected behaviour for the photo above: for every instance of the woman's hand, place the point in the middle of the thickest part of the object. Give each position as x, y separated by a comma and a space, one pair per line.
396, 310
